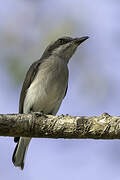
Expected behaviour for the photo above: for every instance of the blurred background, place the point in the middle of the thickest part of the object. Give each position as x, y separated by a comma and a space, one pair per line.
26, 28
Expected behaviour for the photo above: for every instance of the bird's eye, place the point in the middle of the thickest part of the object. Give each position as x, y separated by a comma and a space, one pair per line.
62, 41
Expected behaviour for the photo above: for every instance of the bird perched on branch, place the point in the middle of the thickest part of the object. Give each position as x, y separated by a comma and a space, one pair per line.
45, 86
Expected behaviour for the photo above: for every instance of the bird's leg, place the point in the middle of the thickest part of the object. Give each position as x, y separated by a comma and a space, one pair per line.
38, 114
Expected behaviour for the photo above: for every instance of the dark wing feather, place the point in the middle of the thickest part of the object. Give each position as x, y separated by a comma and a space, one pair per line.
27, 82
66, 90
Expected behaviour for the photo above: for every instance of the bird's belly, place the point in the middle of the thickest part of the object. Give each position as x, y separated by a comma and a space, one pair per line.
45, 94
48, 97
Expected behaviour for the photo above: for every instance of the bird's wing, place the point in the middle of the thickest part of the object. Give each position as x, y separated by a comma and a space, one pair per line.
66, 91
67, 82
27, 82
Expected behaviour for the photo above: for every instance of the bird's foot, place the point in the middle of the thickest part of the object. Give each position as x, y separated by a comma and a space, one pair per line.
38, 114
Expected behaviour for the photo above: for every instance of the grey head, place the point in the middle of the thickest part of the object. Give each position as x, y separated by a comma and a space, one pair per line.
63, 47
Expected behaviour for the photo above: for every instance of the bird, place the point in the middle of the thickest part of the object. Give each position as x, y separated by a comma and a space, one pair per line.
45, 86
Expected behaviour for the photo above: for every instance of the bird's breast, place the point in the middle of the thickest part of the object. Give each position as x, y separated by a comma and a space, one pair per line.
48, 87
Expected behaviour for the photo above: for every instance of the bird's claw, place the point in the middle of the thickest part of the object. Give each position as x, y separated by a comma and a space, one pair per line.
38, 114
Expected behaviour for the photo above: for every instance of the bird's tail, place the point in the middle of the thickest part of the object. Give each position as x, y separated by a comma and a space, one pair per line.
20, 152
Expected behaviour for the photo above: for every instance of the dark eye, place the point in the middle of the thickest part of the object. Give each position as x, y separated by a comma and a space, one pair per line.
62, 41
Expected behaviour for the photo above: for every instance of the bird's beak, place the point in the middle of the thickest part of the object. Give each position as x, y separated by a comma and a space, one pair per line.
78, 41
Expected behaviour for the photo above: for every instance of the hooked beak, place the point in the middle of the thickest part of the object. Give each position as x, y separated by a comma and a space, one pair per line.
78, 41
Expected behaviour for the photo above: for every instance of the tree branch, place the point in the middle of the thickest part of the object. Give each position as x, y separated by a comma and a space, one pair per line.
48, 126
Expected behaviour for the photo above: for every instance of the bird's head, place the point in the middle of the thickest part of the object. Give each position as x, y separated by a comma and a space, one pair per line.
64, 47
